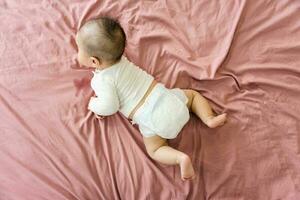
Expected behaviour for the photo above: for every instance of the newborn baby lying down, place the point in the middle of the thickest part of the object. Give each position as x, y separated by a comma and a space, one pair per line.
119, 85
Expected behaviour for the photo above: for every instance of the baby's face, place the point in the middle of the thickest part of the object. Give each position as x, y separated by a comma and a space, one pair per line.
82, 57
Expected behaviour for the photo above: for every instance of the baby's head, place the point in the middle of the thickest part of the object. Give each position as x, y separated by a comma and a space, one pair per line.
101, 42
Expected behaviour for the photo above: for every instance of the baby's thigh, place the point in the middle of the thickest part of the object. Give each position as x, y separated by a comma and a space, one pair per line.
190, 95
153, 143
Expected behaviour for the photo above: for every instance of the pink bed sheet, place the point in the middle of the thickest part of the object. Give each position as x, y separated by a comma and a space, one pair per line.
244, 56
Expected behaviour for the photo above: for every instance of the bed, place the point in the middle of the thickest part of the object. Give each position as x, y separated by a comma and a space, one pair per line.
243, 56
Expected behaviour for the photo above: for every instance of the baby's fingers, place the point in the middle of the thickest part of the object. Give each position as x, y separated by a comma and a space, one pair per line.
99, 117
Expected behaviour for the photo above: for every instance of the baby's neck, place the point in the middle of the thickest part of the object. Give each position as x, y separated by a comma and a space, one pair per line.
107, 64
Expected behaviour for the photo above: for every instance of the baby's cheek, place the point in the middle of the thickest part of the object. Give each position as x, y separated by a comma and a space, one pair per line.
81, 59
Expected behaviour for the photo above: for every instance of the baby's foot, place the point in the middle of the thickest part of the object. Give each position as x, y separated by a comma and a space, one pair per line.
216, 120
186, 168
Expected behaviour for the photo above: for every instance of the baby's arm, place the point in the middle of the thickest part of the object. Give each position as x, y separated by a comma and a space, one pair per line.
107, 102
92, 106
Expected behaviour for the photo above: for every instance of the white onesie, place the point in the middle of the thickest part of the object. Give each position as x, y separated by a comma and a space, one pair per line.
122, 86
119, 88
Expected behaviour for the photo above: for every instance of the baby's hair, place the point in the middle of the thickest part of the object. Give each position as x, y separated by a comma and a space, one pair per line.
103, 37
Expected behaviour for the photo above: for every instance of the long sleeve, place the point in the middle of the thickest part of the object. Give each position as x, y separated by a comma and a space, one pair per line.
107, 101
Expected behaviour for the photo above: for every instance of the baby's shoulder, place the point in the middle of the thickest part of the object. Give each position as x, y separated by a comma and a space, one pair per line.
101, 78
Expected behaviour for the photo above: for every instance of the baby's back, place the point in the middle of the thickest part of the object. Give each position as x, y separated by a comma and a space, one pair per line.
130, 81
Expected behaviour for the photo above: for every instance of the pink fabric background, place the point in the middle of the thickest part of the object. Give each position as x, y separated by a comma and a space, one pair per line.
244, 56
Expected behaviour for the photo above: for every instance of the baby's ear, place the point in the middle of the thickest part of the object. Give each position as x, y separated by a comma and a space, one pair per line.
96, 62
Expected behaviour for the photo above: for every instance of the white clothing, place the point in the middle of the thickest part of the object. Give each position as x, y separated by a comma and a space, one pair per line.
122, 86
119, 88
163, 113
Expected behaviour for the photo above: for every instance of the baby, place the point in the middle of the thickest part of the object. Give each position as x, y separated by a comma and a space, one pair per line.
119, 85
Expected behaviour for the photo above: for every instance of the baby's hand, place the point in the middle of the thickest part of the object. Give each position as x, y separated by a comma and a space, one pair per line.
99, 117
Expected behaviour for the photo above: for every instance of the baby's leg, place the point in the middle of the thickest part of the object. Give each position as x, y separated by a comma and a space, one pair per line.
199, 105
159, 150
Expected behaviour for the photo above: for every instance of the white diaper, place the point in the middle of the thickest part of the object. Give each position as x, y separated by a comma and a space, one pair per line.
163, 113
